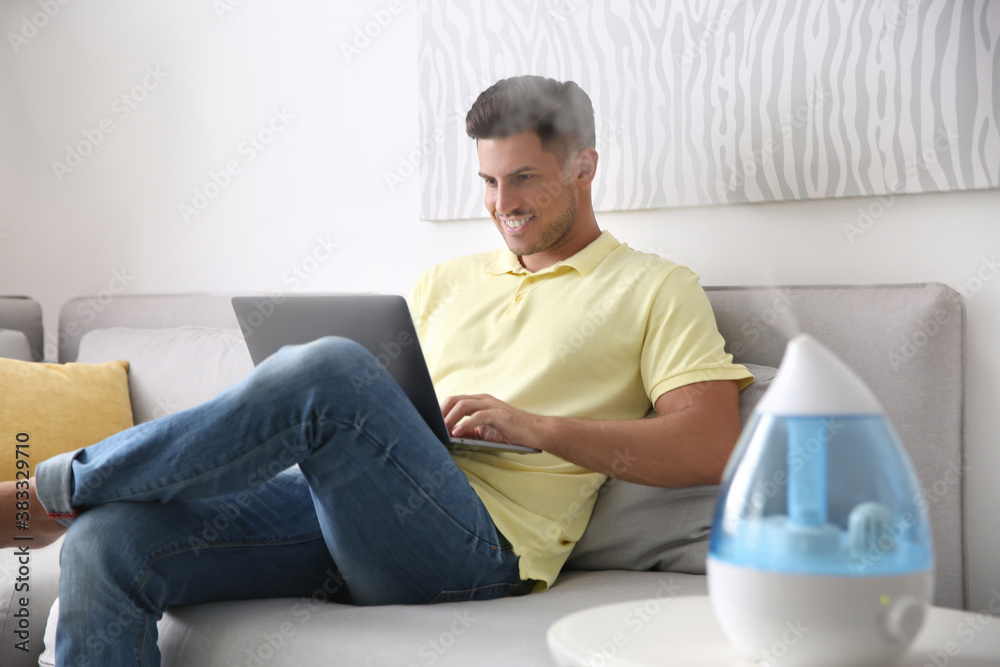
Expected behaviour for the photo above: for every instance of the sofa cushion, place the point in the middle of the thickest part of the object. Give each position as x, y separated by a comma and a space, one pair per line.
311, 632
171, 369
54, 408
636, 527
14, 345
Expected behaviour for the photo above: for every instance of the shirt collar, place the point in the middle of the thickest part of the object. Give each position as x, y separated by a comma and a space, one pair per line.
584, 261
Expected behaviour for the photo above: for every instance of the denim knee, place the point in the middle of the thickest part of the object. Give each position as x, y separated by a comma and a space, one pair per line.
95, 555
109, 550
333, 351
331, 355
327, 361
99, 537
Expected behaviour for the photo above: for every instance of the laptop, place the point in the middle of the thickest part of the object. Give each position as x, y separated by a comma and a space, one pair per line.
379, 322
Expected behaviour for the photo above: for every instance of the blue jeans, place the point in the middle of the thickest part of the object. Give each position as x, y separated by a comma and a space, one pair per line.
207, 505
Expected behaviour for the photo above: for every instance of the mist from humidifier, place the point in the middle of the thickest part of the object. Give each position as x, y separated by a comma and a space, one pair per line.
819, 483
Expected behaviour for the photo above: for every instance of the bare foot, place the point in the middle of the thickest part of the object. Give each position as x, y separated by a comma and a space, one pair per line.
24, 518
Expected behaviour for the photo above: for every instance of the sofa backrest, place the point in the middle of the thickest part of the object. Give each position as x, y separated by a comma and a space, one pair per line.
21, 316
156, 311
906, 341
182, 349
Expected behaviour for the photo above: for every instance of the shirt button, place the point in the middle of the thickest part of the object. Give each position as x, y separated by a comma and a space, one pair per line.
518, 297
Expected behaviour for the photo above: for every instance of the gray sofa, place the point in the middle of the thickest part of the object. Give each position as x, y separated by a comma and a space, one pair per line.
906, 341
20, 328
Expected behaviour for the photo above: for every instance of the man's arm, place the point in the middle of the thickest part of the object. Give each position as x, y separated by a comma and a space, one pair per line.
688, 441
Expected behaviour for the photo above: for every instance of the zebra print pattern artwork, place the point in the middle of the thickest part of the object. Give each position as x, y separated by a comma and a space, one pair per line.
721, 101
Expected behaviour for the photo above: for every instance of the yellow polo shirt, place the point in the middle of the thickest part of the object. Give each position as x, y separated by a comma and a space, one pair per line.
600, 335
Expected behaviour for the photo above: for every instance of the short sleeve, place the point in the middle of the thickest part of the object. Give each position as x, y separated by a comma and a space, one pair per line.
683, 344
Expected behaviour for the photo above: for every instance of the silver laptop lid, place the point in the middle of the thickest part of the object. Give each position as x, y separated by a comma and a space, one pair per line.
379, 322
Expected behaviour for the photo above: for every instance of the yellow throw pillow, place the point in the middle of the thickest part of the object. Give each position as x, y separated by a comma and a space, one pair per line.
47, 409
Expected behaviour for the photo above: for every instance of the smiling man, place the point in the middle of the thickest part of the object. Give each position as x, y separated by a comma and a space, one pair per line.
564, 339
572, 336
529, 196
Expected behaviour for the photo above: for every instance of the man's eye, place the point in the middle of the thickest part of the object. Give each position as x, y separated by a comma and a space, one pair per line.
526, 177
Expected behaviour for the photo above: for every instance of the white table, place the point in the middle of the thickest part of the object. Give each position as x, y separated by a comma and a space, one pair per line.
683, 631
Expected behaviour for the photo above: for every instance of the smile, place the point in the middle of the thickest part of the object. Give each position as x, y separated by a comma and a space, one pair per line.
513, 224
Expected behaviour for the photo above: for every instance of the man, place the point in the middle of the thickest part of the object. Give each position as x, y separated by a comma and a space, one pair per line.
573, 335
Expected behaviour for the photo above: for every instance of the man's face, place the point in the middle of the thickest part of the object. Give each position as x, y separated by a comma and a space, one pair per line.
529, 195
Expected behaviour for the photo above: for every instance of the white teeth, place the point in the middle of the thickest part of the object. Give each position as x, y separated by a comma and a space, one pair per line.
516, 224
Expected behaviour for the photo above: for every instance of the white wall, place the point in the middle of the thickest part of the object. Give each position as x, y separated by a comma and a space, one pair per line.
114, 222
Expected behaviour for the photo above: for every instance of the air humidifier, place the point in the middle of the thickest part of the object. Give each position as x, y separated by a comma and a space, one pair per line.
820, 552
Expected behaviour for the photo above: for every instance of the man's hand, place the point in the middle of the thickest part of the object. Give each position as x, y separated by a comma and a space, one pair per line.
687, 443
489, 418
